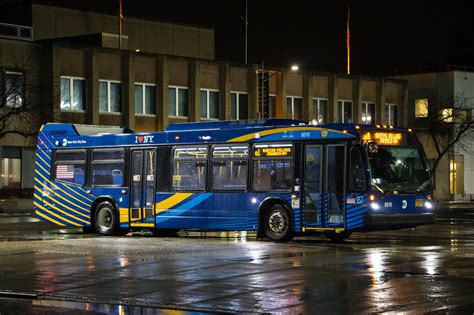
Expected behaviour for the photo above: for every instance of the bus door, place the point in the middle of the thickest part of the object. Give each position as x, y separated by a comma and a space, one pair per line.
142, 187
323, 188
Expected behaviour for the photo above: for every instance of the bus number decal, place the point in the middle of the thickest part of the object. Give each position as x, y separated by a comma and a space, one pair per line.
387, 204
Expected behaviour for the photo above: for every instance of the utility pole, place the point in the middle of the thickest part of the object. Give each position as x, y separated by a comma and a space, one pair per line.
246, 26
120, 24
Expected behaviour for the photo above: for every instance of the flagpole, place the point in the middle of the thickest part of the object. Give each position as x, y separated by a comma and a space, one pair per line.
246, 24
120, 25
348, 41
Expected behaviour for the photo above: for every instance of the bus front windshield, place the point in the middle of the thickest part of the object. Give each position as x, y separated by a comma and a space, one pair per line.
400, 169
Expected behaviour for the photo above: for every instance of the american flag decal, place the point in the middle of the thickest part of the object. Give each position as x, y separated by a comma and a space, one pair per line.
65, 171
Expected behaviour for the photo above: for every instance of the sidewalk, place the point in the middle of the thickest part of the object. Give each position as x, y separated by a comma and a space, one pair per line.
16, 206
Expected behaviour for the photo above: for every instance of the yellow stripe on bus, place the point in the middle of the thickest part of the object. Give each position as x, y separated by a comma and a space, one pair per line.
39, 156
48, 218
41, 149
36, 171
123, 215
54, 214
63, 212
55, 194
278, 130
66, 207
171, 201
37, 164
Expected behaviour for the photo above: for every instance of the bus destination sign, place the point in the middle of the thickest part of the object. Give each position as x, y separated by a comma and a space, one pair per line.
273, 151
383, 138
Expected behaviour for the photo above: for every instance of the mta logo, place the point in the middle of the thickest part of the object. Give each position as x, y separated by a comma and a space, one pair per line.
144, 139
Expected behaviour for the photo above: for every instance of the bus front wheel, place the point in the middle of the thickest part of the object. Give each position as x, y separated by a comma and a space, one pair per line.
277, 224
105, 219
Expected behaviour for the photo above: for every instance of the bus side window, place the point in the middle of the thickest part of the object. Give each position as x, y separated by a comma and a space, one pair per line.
189, 168
107, 167
229, 167
273, 168
358, 180
163, 163
69, 166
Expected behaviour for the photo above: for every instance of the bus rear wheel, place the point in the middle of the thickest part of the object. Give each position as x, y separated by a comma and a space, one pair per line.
277, 224
338, 237
106, 219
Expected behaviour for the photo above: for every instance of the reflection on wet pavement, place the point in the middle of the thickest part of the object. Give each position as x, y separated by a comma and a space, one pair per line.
427, 269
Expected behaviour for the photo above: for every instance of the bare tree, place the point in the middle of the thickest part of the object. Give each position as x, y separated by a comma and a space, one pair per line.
449, 124
20, 107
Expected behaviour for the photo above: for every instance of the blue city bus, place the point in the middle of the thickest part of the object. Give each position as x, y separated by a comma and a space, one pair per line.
278, 177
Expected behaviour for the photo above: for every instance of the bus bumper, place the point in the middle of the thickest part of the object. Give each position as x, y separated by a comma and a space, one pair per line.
379, 221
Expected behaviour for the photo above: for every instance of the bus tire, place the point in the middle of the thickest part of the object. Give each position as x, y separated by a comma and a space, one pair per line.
105, 219
277, 225
338, 237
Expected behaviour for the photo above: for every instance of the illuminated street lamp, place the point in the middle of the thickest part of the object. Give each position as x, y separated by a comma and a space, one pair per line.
295, 68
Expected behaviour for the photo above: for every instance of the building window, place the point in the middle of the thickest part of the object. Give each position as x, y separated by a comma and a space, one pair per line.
239, 105
72, 93
391, 114
345, 111
210, 104
320, 111
421, 108
13, 89
178, 101
145, 98
294, 107
110, 96
272, 106
368, 113
456, 174
10, 167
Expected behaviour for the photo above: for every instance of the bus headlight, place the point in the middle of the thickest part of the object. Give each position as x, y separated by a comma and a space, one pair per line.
374, 206
428, 205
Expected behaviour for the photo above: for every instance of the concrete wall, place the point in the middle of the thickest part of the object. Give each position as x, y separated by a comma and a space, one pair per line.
148, 36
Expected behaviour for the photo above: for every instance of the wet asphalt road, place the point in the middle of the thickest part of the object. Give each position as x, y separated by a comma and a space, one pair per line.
427, 269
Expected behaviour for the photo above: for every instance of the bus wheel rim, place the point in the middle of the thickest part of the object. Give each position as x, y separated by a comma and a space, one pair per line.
277, 222
105, 218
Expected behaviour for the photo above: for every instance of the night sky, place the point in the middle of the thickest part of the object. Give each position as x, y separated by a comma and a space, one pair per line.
387, 37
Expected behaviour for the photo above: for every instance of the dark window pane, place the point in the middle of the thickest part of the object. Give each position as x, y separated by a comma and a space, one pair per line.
229, 175
323, 109
272, 106
150, 99
233, 106
13, 89
78, 94
107, 174
115, 97
289, 107
214, 104
138, 98
273, 174
70, 156
103, 97
370, 113
172, 101
297, 108
183, 102
243, 106
357, 172
65, 93
204, 104
189, 175
108, 155
347, 112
